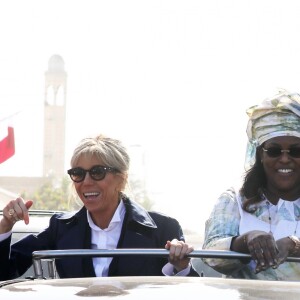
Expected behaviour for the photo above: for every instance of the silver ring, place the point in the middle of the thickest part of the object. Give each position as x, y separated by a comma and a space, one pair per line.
11, 212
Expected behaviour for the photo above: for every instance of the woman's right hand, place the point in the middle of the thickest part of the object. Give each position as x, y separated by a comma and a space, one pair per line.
263, 249
14, 211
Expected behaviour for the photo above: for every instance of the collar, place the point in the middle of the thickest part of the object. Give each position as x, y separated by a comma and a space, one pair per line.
137, 213
118, 217
290, 206
134, 211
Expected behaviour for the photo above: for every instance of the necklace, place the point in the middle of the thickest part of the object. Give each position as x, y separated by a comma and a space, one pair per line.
270, 220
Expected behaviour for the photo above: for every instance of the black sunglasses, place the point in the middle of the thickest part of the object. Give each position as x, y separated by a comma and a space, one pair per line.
276, 152
96, 172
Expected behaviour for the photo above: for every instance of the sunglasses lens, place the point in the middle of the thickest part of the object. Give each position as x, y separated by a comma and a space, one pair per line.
77, 174
295, 152
273, 152
97, 172
276, 152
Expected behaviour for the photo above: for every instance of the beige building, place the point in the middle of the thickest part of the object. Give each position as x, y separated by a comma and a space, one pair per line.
55, 118
54, 135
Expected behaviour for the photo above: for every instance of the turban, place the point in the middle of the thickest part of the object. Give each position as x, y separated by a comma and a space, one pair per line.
276, 116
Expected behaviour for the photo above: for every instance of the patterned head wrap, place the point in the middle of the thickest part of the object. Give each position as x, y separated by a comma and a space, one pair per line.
276, 116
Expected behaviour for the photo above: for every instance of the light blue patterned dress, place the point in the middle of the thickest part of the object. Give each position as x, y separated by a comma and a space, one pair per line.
228, 220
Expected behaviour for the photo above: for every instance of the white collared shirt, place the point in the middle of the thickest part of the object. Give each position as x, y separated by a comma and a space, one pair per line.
106, 239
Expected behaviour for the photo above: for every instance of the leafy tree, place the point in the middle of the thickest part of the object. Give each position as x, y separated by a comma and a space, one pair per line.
138, 193
52, 196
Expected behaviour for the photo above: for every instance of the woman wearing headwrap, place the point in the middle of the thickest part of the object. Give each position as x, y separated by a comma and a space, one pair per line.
261, 218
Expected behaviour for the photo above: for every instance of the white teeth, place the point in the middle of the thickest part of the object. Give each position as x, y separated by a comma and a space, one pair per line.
90, 194
285, 170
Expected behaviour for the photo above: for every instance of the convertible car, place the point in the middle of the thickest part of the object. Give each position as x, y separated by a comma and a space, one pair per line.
39, 287
42, 282
148, 288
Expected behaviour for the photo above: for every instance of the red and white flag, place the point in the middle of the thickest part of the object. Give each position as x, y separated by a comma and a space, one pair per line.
7, 139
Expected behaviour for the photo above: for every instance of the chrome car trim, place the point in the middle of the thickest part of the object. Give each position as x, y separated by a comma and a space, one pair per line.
50, 255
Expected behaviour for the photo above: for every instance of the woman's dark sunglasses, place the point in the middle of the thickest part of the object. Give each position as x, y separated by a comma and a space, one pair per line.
276, 152
96, 172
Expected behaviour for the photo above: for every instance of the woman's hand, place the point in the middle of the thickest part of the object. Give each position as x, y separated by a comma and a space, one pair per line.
285, 246
14, 211
263, 249
177, 256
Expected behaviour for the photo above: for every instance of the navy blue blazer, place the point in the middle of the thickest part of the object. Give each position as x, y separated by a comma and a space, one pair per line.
141, 229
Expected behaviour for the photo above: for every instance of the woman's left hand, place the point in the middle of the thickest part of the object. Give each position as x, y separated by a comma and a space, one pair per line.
284, 245
177, 254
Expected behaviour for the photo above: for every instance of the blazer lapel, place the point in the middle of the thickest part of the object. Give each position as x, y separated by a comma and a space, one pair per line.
77, 236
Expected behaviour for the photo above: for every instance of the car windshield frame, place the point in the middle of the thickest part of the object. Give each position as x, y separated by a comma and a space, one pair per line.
51, 255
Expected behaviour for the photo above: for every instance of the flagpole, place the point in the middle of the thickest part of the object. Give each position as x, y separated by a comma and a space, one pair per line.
10, 116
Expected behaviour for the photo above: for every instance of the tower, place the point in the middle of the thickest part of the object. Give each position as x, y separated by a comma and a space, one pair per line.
54, 118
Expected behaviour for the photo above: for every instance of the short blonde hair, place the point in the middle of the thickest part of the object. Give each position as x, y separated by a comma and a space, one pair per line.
111, 151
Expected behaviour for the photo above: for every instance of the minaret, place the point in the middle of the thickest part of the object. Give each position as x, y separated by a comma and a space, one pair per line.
55, 118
